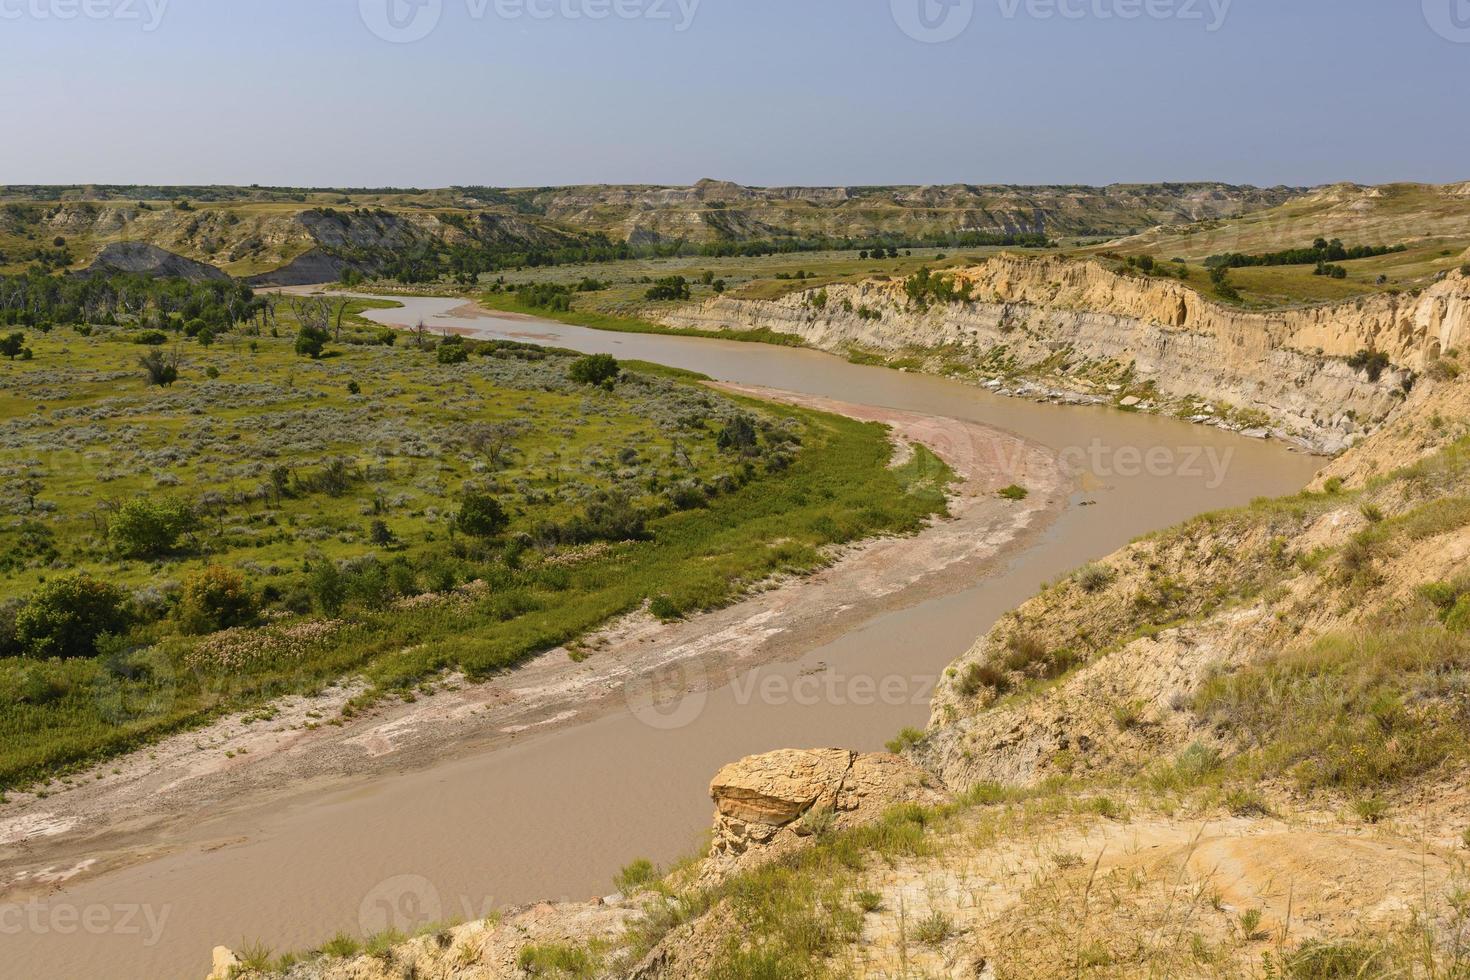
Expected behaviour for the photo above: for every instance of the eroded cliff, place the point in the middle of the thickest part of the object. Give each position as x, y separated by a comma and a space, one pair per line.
1150, 343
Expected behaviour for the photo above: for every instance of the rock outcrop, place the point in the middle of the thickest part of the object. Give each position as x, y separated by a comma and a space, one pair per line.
1074, 324
149, 260
767, 804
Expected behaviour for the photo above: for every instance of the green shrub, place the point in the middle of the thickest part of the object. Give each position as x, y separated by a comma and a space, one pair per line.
161, 369
598, 369
215, 599
312, 342
452, 354
980, 677
934, 930
480, 515
556, 961
146, 528
906, 739
65, 617
1094, 578
1014, 492
636, 876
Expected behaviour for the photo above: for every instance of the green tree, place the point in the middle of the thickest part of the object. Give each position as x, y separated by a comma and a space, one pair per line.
312, 341
599, 369
12, 345
65, 617
160, 368
480, 515
452, 354
145, 528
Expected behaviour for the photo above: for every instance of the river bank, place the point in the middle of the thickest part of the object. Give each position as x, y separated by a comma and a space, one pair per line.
554, 809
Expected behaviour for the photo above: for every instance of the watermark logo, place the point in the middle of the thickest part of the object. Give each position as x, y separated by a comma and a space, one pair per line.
404, 904
933, 21
401, 21
407, 21
1450, 19
1211, 13
669, 698
148, 14
145, 922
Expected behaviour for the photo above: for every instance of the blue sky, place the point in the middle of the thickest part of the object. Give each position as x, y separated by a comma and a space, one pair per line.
758, 91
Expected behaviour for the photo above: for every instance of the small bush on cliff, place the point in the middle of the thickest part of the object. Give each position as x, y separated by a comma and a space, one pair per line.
1371, 362
554, 960
1014, 492
636, 876
981, 677
1094, 578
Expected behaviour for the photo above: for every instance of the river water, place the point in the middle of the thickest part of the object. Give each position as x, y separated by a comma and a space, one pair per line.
555, 816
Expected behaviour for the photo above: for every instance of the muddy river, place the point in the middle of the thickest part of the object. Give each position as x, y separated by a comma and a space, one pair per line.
556, 815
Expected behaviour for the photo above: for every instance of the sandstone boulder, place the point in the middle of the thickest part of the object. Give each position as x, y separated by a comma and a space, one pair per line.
770, 802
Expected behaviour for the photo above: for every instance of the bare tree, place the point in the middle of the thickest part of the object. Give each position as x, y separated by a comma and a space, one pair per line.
339, 309
493, 440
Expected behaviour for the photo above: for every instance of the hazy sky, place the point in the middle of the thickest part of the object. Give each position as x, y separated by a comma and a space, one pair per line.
518, 92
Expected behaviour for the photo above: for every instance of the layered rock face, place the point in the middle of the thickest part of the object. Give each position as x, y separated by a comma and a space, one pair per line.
1057, 320
768, 803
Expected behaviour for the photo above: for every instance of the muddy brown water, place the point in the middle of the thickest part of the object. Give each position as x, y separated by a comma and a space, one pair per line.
556, 815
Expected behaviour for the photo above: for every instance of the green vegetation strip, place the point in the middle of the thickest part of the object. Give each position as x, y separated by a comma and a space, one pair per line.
269, 524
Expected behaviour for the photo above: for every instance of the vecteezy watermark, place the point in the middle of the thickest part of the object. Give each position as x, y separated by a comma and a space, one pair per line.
1211, 13
670, 697
937, 21
835, 688
404, 904
933, 21
410, 903
1450, 19
1205, 463
147, 922
148, 14
406, 21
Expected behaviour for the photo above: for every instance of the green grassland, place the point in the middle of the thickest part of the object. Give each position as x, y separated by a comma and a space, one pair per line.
338, 510
1433, 223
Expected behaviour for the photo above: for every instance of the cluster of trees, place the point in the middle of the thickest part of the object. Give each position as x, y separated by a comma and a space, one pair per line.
43, 301
545, 296
1330, 270
1321, 252
925, 287
669, 288
72, 617
430, 261
1220, 277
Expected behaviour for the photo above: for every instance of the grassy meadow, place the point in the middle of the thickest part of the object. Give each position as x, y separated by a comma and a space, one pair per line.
386, 512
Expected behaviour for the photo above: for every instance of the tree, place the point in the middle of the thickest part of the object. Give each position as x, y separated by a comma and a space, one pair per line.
380, 534
215, 599
145, 528
161, 368
480, 515
65, 617
311, 341
598, 369
737, 436
12, 345
493, 439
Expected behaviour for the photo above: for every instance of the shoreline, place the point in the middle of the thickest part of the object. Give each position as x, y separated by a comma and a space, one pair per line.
179, 793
